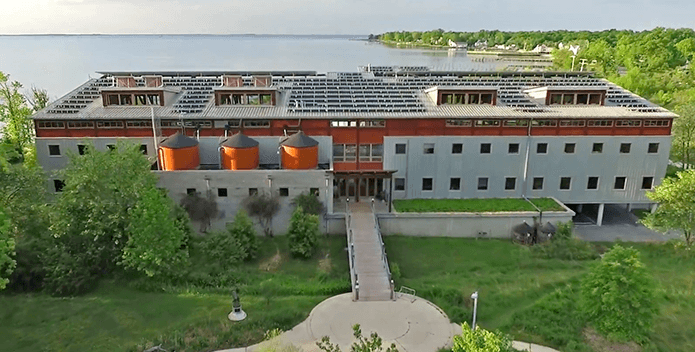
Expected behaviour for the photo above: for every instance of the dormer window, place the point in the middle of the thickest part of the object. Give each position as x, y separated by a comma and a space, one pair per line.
575, 98
463, 95
234, 97
133, 98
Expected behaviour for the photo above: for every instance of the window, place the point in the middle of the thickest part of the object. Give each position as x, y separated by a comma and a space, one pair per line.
399, 184
58, 185
510, 183
628, 123
597, 148
567, 98
487, 123
565, 183
572, 123
143, 149
51, 124
600, 123
619, 182
625, 148
80, 124
109, 124
458, 123
221, 192
653, 148
373, 123
647, 182
428, 148
542, 148
53, 150
457, 148
400, 148
538, 183
592, 182
245, 99
344, 123
284, 192
544, 123
482, 183
427, 184
455, 184
111, 147
513, 148
81, 149
656, 123
344, 152
314, 192
190, 191
485, 148
257, 123
136, 99
253, 192
371, 152
467, 98
569, 148
138, 124
515, 123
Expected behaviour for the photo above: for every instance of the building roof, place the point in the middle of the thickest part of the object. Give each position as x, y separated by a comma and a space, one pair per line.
374, 92
300, 140
177, 141
240, 140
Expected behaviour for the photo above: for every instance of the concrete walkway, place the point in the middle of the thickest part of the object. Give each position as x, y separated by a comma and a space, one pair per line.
371, 272
412, 323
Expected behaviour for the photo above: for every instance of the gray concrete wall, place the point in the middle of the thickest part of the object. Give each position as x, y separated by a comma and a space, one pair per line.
483, 225
238, 183
471, 164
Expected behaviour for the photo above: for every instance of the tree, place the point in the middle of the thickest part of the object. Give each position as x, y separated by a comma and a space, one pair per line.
238, 243
303, 233
618, 296
244, 235
363, 344
14, 112
7, 253
310, 203
676, 210
201, 209
263, 207
683, 146
154, 244
481, 340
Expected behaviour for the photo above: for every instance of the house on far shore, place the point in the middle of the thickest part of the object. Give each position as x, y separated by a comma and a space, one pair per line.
543, 49
457, 45
480, 45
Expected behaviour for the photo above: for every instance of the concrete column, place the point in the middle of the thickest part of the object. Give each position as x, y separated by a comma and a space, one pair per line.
629, 207
653, 207
599, 217
579, 208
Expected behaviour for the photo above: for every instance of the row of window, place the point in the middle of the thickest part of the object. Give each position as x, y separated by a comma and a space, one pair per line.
362, 123
367, 152
282, 191
108, 124
134, 99
467, 98
555, 123
592, 183
54, 149
541, 148
575, 99
246, 99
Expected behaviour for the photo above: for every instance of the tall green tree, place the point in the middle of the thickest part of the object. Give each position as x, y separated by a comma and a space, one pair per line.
676, 210
683, 145
15, 112
303, 233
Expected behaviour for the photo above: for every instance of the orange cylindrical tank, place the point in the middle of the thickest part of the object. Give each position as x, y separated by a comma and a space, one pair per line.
178, 152
239, 152
300, 152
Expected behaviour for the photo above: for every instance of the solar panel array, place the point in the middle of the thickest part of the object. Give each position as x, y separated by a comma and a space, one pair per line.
197, 92
85, 95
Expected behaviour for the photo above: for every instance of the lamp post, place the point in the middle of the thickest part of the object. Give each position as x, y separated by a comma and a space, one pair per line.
474, 297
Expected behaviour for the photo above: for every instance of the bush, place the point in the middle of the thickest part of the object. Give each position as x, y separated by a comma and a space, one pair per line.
68, 275
310, 203
235, 245
618, 296
303, 233
565, 246
243, 233
263, 207
481, 340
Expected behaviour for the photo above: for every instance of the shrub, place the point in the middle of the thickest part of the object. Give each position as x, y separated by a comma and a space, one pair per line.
235, 245
303, 233
245, 236
618, 296
310, 203
263, 207
481, 340
565, 246
68, 275
201, 209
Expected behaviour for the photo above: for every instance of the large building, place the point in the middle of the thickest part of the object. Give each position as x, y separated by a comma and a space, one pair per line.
385, 132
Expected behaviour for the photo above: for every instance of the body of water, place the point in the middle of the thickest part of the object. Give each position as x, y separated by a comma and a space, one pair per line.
61, 63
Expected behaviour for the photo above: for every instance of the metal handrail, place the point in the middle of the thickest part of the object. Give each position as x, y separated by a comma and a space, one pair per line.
384, 257
354, 279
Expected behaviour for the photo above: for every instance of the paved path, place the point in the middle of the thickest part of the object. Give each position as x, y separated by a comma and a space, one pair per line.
371, 272
412, 323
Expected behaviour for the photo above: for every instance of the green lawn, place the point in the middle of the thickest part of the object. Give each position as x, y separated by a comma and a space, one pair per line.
276, 293
474, 205
510, 281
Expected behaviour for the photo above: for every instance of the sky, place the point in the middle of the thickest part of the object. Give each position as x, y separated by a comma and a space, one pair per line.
333, 16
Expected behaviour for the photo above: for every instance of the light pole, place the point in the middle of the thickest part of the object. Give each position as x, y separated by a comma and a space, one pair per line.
474, 297
573, 57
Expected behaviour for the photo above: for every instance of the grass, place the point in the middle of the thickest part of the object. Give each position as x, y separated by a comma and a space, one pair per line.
515, 287
474, 205
276, 291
